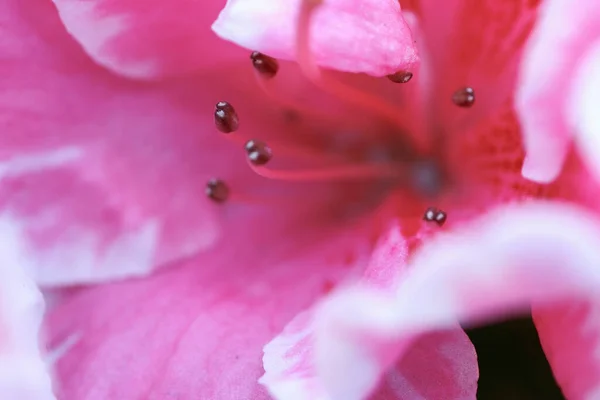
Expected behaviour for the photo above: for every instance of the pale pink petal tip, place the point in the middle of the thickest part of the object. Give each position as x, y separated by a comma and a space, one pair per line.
147, 39
497, 265
354, 36
584, 107
23, 373
549, 99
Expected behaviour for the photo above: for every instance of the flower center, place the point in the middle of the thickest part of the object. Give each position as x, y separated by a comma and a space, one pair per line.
384, 155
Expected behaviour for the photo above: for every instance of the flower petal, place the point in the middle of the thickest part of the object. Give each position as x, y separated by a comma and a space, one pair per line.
192, 331
564, 35
582, 108
440, 365
473, 43
492, 267
23, 373
102, 175
147, 39
348, 35
569, 332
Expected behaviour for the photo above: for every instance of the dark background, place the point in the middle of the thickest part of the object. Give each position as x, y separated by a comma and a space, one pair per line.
512, 365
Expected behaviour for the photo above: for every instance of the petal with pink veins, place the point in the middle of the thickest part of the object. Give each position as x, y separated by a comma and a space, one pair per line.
147, 39
348, 35
438, 365
472, 43
23, 372
491, 267
550, 99
192, 331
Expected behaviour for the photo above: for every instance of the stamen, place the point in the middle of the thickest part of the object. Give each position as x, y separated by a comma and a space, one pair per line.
217, 190
264, 65
226, 118
464, 97
259, 153
401, 77
343, 172
432, 214
338, 89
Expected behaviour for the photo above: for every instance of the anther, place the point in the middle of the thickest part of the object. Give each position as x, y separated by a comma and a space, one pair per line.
259, 153
400, 77
226, 119
440, 217
464, 97
266, 66
217, 190
432, 214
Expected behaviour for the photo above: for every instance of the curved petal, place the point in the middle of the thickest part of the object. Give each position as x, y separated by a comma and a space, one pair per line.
192, 331
582, 108
492, 267
564, 35
348, 35
569, 332
440, 365
23, 373
146, 39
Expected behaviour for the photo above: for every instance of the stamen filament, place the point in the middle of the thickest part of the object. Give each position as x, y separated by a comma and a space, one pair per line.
268, 88
343, 172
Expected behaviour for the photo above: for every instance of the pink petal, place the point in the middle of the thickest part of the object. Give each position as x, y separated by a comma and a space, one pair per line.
473, 43
23, 373
564, 34
147, 39
570, 335
439, 365
492, 267
348, 35
191, 332
102, 175
582, 108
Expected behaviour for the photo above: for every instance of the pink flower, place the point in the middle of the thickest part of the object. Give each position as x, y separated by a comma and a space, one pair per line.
111, 135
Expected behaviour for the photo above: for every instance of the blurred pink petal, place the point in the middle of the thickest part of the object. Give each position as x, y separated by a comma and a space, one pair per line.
570, 335
348, 35
491, 268
193, 331
103, 173
440, 365
147, 39
23, 373
559, 88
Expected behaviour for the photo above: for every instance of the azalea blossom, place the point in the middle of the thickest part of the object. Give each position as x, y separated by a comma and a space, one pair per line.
204, 200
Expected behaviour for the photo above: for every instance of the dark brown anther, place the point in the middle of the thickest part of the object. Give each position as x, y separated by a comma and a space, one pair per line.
432, 214
259, 153
440, 217
217, 190
266, 66
226, 119
464, 97
400, 77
